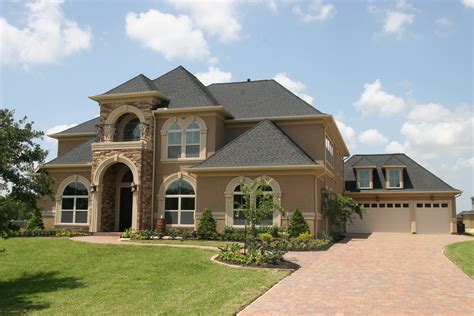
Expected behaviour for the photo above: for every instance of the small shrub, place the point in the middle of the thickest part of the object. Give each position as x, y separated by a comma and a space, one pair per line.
228, 230
265, 237
173, 233
283, 235
127, 233
207, 225
306, 236
297, 224
35, 221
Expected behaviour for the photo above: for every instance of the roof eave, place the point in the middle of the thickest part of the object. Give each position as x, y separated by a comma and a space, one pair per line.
213, 108
253, 168
389, 192
70, 135
119, 96
63, 166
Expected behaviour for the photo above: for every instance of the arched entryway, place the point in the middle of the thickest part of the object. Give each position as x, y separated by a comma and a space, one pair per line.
115, 199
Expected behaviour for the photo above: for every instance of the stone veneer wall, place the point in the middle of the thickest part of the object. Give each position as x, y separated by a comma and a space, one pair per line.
107, 216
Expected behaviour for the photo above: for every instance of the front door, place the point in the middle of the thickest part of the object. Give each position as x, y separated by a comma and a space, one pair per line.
126, 198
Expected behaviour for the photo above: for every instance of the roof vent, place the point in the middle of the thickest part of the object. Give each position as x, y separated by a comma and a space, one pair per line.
248, 79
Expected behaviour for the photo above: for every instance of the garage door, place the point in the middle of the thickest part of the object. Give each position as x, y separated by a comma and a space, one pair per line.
433, 218
382, 217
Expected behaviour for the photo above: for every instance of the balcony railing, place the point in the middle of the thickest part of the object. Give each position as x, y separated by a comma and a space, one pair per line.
111, 133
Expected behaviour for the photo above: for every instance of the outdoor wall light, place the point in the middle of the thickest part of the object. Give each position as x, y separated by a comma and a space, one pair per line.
133, 187
93, 188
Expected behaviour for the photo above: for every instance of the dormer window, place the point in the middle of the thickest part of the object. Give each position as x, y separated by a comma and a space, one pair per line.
364, 179
394, 178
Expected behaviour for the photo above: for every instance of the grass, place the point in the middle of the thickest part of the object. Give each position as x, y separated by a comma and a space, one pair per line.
462, 254
213, 243
60, 276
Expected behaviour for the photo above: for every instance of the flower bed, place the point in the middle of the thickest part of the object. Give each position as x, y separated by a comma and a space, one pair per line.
44, 233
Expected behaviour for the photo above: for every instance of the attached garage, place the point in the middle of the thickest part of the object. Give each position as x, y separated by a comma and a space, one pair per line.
382, 217
433, 218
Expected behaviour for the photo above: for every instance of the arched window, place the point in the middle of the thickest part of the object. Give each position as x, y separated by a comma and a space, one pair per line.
267, 192
180, 203
238, 199
127, 177
131, 130
74, 204
174, 141
193, 140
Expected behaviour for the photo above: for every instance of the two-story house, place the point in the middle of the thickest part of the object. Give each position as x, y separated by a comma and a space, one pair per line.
171, 147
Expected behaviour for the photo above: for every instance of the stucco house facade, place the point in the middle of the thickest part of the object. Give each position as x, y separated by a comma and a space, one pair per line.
171, 147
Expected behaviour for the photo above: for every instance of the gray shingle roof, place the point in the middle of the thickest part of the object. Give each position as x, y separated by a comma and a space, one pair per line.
263, 145
86, 127
140, 83
260, 99
81, 154
363, 162
183, 90
415, 177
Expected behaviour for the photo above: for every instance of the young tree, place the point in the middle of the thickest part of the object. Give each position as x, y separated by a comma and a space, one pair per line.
338, 210
297, 224
207, 227
19, 156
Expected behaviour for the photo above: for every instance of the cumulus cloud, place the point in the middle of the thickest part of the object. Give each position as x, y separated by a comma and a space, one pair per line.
468, 3
213, 75
396, 21
48, 36
395, 147
57, 129
372, 137
465, 163
316, 11
217, 18
348, 134
297, 87
374, 101
173, 36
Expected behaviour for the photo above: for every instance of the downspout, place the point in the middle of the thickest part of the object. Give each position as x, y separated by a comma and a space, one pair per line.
153, 174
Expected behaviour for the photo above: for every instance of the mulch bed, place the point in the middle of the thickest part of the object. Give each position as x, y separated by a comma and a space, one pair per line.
284, 265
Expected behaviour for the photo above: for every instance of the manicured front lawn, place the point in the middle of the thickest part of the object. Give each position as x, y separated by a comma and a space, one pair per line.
213, 243
60, 276
462, 254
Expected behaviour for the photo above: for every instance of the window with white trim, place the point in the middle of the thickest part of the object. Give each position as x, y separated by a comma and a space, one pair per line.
394, 178
238, 199
364, 178
267, 191
329, 151
180, 203
174, 141
193, 140
74, 204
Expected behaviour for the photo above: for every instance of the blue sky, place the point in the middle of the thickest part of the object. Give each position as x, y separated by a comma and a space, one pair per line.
396, 75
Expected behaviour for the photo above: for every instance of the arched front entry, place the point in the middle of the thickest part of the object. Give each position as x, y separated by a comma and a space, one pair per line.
115, 200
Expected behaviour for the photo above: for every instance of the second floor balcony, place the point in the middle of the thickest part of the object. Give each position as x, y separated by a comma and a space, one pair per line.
133, 130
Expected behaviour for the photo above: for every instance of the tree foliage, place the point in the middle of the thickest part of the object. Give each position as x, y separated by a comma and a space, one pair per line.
207, 227
338, 210
19, 156
297, 224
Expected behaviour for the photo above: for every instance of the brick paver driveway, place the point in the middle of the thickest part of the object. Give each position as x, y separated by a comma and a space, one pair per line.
383, 274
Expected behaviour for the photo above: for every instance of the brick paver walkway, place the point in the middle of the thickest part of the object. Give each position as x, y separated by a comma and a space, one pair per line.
384, 274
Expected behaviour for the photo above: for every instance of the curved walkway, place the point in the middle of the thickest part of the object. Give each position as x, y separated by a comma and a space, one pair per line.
384, 274
115, 241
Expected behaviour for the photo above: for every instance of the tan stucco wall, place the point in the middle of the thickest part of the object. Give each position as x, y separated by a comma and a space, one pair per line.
468, 220
66, 144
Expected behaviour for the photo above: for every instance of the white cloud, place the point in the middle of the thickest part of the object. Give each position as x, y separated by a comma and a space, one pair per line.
173, 36
272, 5
213, 75
402, 4
297, 87
465, 163
348, 134
396, 21
468, 3
218, 18
372, 137
430, 112
316, 11
444, 22
394, 147
375, 101
48, 36
56, 129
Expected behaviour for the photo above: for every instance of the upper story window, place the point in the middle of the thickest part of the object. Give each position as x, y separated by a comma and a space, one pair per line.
131, 130
394, 178
174, 141
329, 151
74, 204
193, 140
364, 179
184, 138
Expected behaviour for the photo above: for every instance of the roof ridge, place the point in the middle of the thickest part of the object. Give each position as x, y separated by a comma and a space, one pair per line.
288, 90
235, 82
140, 76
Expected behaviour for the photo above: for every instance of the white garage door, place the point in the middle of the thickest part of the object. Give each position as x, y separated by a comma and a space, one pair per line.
433, 218
382, 217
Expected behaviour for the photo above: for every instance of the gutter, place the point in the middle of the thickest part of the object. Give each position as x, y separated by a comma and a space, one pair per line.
63, 166
255, 168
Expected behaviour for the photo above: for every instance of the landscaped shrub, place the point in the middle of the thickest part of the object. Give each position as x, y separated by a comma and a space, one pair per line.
255, 256
265, 237
46, 233
297, 224
35, 221
207, 226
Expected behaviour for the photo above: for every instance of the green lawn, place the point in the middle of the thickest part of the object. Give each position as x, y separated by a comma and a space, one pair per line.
213, 243
60, 276
462, 254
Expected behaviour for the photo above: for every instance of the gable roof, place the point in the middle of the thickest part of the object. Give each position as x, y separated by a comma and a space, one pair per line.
415, 177
263, 145
363, 162
140, 83
183, 90
260, 99
81, 154
394, 161
87, 127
